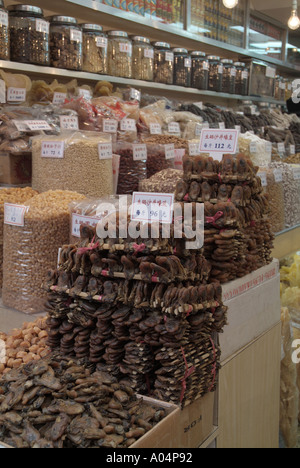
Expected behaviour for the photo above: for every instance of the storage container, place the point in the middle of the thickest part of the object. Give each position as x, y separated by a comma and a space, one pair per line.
94, 49
65, 43
241, 79
262, 78
119, 54
142, 59
229, 74
215, 73
200, 70
4, 33
163, 63
182, 67
29, 35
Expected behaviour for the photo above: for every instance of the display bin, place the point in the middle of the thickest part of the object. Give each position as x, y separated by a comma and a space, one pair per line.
15, 169
262, 77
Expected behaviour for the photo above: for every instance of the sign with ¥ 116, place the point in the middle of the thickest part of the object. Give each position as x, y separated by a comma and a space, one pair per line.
14, 214
78, 220
105, 151
152, 207
69, 122
53, 149
139, 152
219, 141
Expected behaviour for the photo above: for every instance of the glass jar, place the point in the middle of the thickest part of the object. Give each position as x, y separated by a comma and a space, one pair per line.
163, 63
200, 70
215, 74
29, 35
119, 62
94, 49
65, 43
142, 59
229, 74
4, 33
182, 67
241, 79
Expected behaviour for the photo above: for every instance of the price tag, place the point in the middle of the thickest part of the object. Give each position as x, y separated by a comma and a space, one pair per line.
16, 94
135, 94
263, 177
128, 125
102, 42
278, 174
296, 172
3, 18
268, 147
205, 65
174, 127
79, 220
169, 57
125, 47
59, 98
21, 125
194, 149
222, 125
219, 141
53, 149
270, 72
198, 129
76, 35
155, 129
85, 93
68, 122
2, 92
281, 147
233, 72
149, 53
152, 207
245, 75
14, 214
187, 63
42, 26
105, 151
170, 151
139, 152
36, 125
238, 127
110, 126
179, 155
292, 149
253, 147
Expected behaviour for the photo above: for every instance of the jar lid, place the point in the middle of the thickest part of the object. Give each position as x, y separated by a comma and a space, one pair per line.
197, 53
227, 61
214, 57
25, 8
63, 19
163, 45
117, 33
92, 27
180, 51
239, 64
140, 39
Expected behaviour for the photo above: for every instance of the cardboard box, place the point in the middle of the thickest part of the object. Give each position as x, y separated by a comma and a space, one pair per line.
254, 308
15, 169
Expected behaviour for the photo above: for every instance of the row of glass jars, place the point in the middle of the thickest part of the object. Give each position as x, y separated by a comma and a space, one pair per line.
62, 43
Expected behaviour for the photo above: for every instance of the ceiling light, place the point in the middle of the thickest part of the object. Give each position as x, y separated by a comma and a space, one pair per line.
230, 3
294, 21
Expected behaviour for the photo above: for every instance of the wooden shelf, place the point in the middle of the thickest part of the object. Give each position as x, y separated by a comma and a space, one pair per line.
287, 242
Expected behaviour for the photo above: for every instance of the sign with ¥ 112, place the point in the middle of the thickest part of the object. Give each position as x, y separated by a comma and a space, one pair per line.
69, 122
53, 149
14, 214
152, 207
78, 220
219, 141
139, 152
16, 94
105, 151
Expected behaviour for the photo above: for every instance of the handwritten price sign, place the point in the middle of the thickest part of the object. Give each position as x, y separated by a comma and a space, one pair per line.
14, 214
219, 141
152, 207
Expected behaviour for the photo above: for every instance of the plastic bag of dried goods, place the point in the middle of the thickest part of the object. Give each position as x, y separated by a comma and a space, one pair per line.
273, 187
133, 166
291, 189
33, 233
79, 161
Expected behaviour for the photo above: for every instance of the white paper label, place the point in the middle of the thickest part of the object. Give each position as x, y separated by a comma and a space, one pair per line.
42, 26
198, 129
16, 94
128, 125
270, 72
179, 155
278, 175
53, 149
85, 93
219, 141
292, 149
105, 151
14, 214
102, 42
187, 63
281, 147
139, 152
21, 125
125, 47
79, 220
174, 127
170, 151
253, 147
245, 75
3, 18
152, 207
296, 172
59, 98
263, 177
169, 57
36, 125
76, 35
68, 122
268, 147
220, 69
2, 92
110, 126
155, 129
135, 94
205, 65
222, 125
149, 53
194, 149
233, 72
238, 127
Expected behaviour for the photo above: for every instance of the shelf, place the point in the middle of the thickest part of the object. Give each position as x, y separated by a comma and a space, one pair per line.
287, 242
153, 88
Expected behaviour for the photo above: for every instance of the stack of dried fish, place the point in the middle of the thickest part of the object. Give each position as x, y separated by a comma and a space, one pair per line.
60, 403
